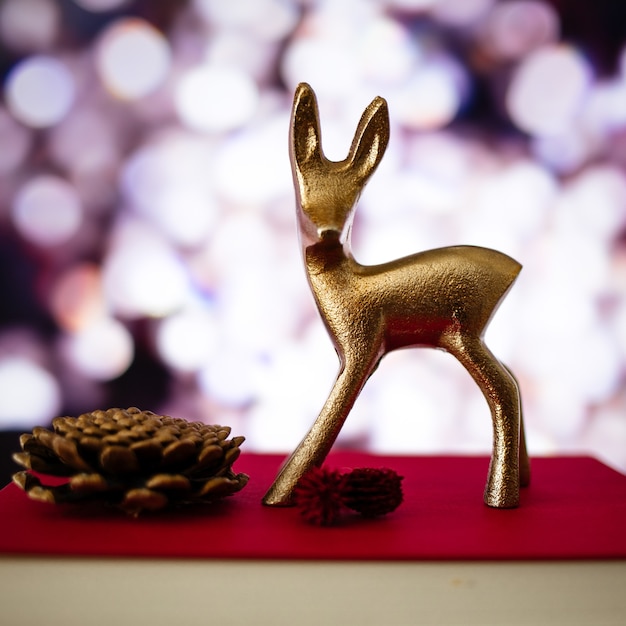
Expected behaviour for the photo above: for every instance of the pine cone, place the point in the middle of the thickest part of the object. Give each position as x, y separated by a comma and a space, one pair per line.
134, 459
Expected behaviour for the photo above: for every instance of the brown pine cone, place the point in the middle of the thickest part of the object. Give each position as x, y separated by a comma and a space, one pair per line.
134, 459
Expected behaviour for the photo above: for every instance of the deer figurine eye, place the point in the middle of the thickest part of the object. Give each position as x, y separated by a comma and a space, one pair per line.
442, 298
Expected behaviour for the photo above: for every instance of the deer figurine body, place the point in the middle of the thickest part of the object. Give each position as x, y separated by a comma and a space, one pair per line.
442, 298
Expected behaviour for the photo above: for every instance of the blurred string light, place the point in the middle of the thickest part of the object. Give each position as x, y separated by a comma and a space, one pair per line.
98, 156
432, 97
514, 29
154, 161
548, 90
39, 91
29, 25
93, 344
142, 274
101, 350
268, 19
132, 58
77, 298
15, 136
253, 168
29, 393
47, 210
231, 377
170, 182
215, 99
187, 339
425, 88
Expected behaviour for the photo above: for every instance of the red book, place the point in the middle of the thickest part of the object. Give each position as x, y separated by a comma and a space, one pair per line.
575, 508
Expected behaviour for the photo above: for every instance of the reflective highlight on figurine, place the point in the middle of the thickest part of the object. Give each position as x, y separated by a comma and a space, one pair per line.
441, 298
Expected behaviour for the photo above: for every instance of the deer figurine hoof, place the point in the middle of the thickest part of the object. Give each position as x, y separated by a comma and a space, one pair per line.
442, 298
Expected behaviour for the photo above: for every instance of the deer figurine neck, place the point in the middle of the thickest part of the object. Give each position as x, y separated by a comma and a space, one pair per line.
325, 246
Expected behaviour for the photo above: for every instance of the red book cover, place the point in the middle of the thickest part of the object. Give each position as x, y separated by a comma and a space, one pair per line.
575, 508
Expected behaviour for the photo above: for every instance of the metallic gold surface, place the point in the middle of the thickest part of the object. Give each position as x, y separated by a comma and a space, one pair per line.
441, 298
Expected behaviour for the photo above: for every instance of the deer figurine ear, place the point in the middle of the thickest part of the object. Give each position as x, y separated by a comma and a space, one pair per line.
370, 140
305, 127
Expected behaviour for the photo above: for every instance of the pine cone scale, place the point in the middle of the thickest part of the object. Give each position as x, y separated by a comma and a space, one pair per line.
137, 500
118, 460
166, 482
147, 451
179, 451
67, 451
89, 483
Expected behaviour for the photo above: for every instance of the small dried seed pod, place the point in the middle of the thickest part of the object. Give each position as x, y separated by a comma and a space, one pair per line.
372, 492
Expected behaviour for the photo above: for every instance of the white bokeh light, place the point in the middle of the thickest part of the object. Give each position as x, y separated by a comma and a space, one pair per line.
170, 181
187, 340
142, 275
253, 168
331, 67
133, 58
267, 19
215, 99
29, 394
565, 152
512, 204
548, 90
40, 91
387, 52
286, 381
231, 377
594, 205
102, 350
47, 210
604, 111
432, 97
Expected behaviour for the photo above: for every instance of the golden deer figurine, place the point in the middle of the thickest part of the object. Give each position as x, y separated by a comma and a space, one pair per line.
441, 298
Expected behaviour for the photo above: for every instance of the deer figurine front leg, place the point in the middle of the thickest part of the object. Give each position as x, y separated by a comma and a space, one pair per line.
357, 364
440, 298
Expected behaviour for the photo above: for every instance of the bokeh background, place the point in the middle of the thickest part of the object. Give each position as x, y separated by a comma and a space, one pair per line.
148, 247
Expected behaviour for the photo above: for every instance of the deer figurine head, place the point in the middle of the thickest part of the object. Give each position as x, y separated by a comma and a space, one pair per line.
442, 298
327, 191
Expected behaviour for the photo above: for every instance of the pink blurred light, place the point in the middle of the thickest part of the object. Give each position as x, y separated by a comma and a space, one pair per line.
548, 90
29, 25
77, 298
16, 142
516, 28
47, 210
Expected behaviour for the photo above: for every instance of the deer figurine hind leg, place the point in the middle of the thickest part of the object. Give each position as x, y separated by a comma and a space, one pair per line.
441, 298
